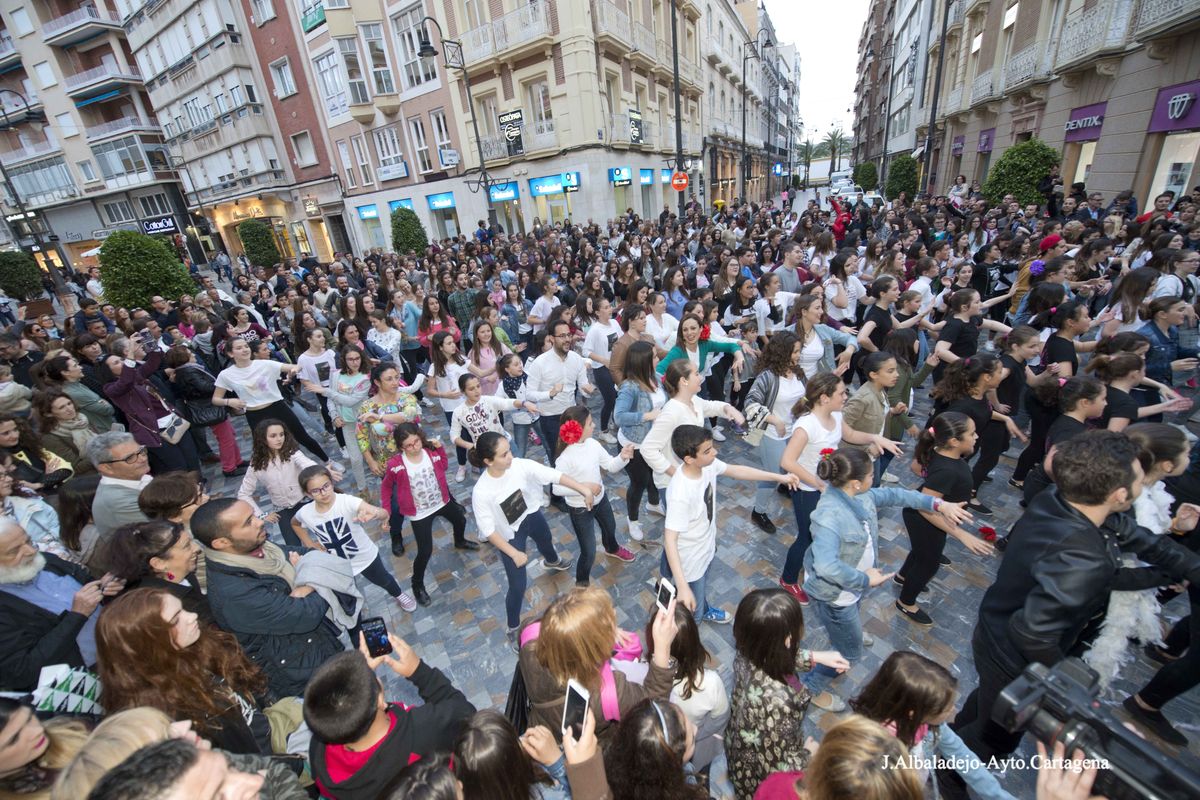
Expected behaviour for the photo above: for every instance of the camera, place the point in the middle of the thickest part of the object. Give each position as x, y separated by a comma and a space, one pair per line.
1060, 704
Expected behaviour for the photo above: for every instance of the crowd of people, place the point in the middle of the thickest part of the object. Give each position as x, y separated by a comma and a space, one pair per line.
231, 647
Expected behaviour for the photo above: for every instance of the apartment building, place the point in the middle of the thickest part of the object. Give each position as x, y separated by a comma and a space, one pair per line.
905, 67
82, 146
787, 125
1112, 84
871, 90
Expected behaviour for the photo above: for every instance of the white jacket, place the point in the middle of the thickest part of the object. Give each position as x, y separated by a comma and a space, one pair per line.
656, 447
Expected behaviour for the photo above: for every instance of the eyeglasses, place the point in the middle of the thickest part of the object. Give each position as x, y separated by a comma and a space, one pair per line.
321, 489
132, 458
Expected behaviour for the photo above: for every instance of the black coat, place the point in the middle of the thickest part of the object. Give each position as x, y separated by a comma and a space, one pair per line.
1057, 574
32, 638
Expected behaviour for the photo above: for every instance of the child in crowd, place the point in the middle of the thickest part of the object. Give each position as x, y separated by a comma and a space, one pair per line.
14, 398
276, 461
869, 409
514, 386
480, 413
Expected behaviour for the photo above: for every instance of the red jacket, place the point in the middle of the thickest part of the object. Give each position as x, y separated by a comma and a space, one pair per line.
841, 218
395, 480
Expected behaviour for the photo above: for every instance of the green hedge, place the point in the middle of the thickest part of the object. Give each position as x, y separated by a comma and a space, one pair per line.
20, 277
259, 243
408, 233
134, 267
901, 177
1018, 171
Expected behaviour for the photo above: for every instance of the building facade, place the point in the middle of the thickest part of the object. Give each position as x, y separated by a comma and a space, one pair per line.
872, 87
905, 68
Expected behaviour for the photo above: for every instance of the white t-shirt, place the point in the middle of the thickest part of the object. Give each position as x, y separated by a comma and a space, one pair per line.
664, 335
600, 340
818, 439
790, 390
449, 383
811, 354
337, 531
542, 308
254, 384
854, 291
692, 513
583, 461
865, 562
502, 504
423, 482
317, 369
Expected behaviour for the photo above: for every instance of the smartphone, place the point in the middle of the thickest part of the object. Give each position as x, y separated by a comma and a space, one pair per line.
575, 708
666, 593
375, 633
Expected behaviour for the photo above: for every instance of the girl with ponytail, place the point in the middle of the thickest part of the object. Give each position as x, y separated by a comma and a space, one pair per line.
942, 451
1080, 399
959, 338
1121, 373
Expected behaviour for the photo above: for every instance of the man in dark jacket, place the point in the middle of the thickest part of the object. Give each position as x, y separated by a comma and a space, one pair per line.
360, 741
47, 610
252, 592
1063, 560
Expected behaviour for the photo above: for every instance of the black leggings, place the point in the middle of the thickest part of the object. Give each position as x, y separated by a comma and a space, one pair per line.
1182, 674
993, 441
641, 481
714, 385
927, 542
280, 412
323, 401
608, 392
422, 528
1040, 417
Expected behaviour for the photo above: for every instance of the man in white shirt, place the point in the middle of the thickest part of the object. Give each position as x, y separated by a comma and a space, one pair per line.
561, 367
93, 285
924, 282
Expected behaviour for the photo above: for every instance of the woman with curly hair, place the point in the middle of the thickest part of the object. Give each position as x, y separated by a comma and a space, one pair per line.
151, 651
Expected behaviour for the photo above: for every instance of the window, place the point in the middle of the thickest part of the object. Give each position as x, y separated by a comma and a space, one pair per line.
475, 15
976, 43
441, 133
118, 211
337, 3
407, 29
235, 94
262, 10
281, 74
86, 169
1010, 16
44, 74
344, 156
222, 102
302, 146
381, 71
363, 159
21, 24
417, 127
120, 157
43, 180
487, 114
65, 124
538, 96
333, 88
387, 143
352, 64
155, 205
197, 114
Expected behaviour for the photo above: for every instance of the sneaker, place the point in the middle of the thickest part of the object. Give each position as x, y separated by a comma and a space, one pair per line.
762, 521
890, 478
717, 616
987, 478
979, 508
621, 555
635, 531
425, 401
606, 437
918, 617
460, 474
1016, 484
868, 640
828, 701
1158, 654
563, 563
944, 560
795, 591
1154, 722
406, 601
656, 508
718, 435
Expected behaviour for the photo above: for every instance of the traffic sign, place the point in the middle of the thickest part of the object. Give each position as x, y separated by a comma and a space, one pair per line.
679, 181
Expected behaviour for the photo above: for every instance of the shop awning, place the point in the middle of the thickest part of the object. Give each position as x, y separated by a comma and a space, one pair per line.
918, 152
95, 251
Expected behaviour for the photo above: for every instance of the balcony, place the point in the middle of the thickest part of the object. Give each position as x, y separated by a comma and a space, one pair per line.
957, 13
100, 79
511, 35
691, 142
244, 184
662, 66
50, 197
953, 101
237, 126
12, 112
1165, 18
29, 153
649, 136
689, 72
983, 88
541, 135
9, 55
644, 47
191, 72
1103, 28
613, 28
79, 25
116, 127
618, 130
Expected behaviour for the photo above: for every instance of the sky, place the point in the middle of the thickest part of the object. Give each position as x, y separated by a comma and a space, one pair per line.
826, 36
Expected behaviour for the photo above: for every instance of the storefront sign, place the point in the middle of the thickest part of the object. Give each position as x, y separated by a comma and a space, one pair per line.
956, 147
554, 184
986, 139
664, 176
570, 181
448, 156
1085, 123
311, 207
1176, 109
512, 125
394, 204
620, 176
368, 212
248, 213
164, 224
503, 192
391, 172
440, 201
646, 177
635, 126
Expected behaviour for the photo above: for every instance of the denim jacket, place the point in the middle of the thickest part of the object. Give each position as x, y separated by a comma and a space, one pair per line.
839, 537
511, 318
830, 337
632, 404
1164, 348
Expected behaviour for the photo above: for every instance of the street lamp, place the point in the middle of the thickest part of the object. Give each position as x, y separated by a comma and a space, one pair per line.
179, 164
35, 230
933, 106
746, 56
452, 54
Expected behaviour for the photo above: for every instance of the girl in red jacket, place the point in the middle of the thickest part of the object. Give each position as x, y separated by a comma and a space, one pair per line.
418, 475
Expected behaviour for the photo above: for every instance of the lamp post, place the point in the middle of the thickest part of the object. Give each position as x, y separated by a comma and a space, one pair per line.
746, 56
933, 106
678, 104
452, 55
34, 230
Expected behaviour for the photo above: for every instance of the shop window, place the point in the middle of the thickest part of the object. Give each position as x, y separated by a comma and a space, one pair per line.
1174, 170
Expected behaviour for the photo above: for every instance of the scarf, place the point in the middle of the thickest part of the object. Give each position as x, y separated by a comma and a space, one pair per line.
513, 385
272, 562
80, 432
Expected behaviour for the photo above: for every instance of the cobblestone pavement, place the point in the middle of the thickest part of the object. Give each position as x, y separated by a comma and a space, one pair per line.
462, 632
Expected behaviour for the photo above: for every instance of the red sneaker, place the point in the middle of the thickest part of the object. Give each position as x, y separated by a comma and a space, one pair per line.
795, 591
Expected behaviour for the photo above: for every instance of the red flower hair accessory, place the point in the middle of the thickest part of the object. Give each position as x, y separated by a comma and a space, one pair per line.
827, 452
987, 534
705, 332
570, 431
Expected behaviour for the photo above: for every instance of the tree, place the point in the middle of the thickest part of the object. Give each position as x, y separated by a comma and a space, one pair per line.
1018, 171
259, 243
901, 177
407, 232
866, 176
134, 267
20, 277
838, 146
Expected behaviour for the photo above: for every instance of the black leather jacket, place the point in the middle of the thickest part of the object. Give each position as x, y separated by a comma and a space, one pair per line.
1057, 573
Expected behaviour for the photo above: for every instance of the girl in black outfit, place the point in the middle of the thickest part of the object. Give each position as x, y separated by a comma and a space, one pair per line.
1080, 399
959, 338
1122, 372
942, 451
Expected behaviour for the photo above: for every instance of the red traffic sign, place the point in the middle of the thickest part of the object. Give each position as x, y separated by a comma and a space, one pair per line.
679, 181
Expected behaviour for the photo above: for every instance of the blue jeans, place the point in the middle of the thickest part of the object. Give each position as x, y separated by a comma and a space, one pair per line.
520, 440
770, 453
532, 527
803, 504
697, 586
548, 425
584, 522
844, 627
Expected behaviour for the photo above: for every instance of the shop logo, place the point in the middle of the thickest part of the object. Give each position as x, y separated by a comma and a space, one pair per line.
1179, 105
1084, 122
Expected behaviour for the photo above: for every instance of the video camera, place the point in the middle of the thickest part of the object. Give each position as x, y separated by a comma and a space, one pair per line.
1060, 704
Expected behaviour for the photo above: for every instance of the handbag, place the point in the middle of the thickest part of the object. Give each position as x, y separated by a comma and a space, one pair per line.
204, 414
756, 423
172, 427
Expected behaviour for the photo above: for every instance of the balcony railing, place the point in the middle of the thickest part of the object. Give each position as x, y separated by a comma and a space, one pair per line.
643, 40
1160, 16
612, 21
953, 100
119, 126
101, 73
28, 152
509, 30
79, 17
1104, 26
7, 46
494, 147
618, 128
982, 88
541, 136
1021, 67
957, 12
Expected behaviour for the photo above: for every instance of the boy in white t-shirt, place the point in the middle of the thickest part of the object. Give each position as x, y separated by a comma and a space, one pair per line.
691, 526
332, 523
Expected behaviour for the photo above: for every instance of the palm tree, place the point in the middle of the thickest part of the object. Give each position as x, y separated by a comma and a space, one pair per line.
838, 146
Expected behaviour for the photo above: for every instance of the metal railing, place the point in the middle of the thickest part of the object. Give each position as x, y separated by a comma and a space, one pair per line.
102, 72
613, 21
88, 13
508, 30
1104, 26
643, 40
541, 135
954, 100
119, 126
28, 152
1021, 67
982, 88
618, 128
7, 46
494, 147
1157, 14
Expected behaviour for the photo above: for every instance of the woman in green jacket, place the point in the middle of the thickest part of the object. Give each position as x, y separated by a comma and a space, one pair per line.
692, 342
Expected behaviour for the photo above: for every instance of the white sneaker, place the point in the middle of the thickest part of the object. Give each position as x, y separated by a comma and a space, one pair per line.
718, 435
635, 531
425, 401
606, 437
890, 478
656, 508
406, 601
460, 474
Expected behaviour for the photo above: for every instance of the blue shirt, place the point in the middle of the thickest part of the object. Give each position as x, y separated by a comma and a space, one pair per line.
54, 593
